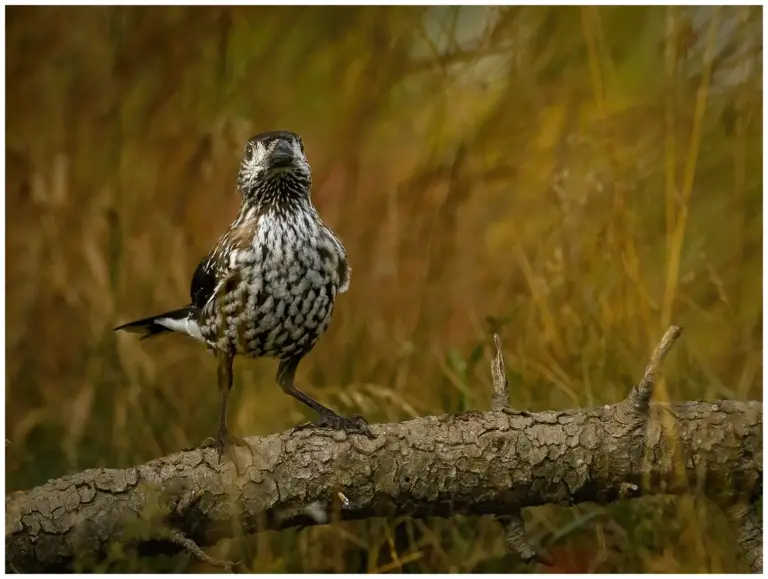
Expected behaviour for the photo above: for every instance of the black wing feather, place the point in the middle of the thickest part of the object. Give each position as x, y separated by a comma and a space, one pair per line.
203, 282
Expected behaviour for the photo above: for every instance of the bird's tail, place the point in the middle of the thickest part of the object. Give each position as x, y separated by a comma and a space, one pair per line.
183, 320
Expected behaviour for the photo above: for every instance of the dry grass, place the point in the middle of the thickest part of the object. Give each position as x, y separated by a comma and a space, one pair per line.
573, 178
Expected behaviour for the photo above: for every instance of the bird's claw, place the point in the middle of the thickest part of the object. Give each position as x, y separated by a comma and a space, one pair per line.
354, 424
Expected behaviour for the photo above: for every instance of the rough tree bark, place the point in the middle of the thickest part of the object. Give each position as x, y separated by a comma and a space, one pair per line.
476, 463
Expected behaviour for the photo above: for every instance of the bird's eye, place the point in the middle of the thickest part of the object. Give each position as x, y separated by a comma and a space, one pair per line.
248, 153
301, 145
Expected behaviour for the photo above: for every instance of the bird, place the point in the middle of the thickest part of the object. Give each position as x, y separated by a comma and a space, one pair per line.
268, 287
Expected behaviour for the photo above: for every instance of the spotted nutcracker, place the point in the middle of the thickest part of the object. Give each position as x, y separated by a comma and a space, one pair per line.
268, 286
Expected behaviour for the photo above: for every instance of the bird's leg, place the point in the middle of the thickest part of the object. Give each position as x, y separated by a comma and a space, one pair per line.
286, 374
224, 372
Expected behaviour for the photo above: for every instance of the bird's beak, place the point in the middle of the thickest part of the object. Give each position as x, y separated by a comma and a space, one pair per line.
282, 155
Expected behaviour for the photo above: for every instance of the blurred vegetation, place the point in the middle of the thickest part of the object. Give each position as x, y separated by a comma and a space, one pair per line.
574, 178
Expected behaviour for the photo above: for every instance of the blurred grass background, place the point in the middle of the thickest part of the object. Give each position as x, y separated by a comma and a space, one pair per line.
573, 178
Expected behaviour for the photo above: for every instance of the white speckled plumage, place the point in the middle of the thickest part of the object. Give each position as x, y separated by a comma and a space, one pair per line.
282, 286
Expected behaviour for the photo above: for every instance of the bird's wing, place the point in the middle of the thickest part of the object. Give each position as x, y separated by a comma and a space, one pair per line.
218, 268
203, 282
344, 270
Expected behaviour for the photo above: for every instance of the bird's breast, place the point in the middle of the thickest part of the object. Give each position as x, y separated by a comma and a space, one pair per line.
282, 292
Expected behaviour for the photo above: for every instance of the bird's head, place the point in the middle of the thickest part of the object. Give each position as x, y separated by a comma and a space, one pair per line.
274, 165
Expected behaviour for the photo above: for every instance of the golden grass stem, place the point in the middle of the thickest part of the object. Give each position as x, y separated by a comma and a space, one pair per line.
674, 252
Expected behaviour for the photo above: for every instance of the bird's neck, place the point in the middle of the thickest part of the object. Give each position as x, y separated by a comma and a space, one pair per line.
284, 194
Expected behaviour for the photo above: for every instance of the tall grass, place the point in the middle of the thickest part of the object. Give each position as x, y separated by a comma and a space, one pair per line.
574, 178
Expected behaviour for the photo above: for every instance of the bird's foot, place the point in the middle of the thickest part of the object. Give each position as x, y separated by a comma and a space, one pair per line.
354, 424
223, 440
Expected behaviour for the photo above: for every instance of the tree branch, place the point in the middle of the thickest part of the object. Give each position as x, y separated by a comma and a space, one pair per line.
749, 533
473, 463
